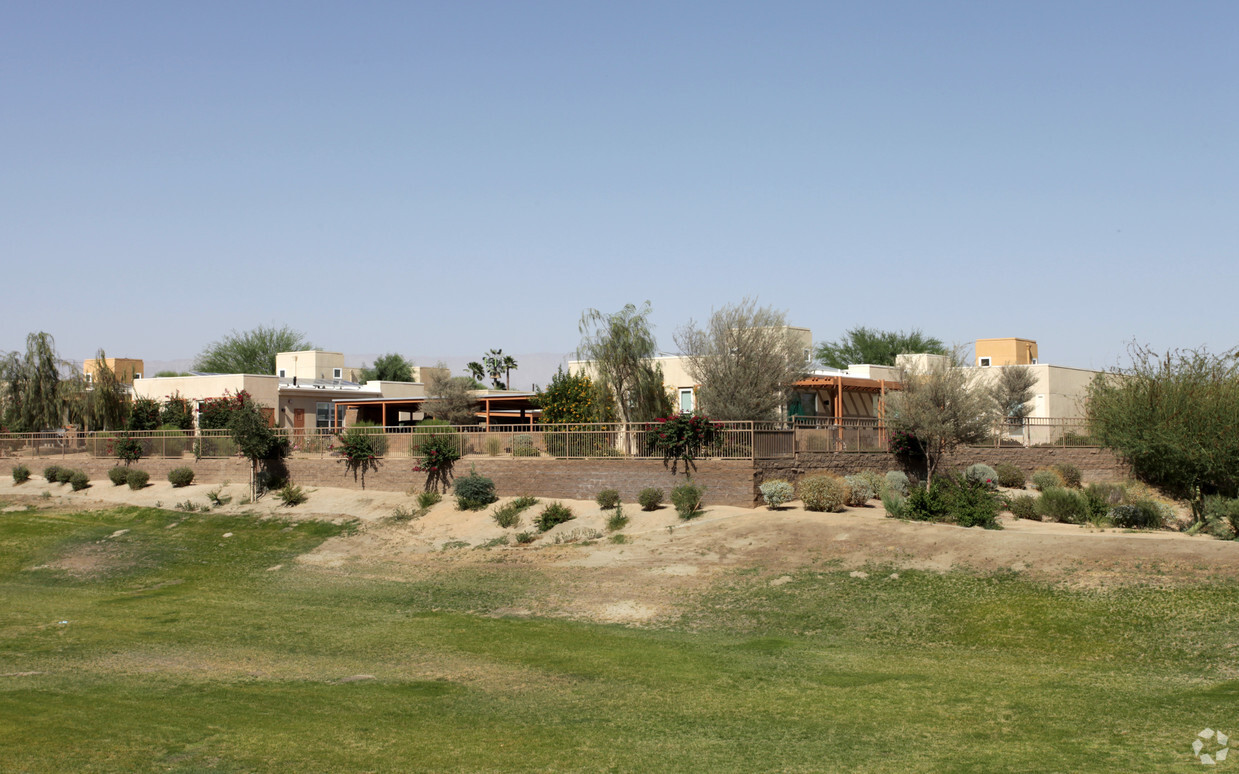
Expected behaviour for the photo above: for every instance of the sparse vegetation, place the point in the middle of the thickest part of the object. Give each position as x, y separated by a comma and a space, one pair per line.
494, 446
292, 495
217, 498
553, 514
617, 520
525, 538
507, 515
428, 498
1069, 473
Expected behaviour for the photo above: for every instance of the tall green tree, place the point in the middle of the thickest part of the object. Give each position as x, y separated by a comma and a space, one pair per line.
251, 352
255, 438
1012, 391
574, 398
744, 361
100, 404
876, 347
620, 350
391, 367
450, 397
33, 399
1174, 418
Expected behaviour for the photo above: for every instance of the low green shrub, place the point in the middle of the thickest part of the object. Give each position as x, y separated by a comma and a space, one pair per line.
474, 492
650, 498
21, 474
687, 499
776, 492
859, 491
507, 515
64, 475
897, 482
217, 499
617, 520
1101, 498
1024, 507
1010, 476
1223, 514
973, 503
895, 505
290, 494
523, 446
1069, 473
1142, 514
608, 499
876, 481
78, 480
1047, 479
927, 504
525, 501
982, 474
137, 478
51, 474
553, 514
1069, 506
427, 499
118, 475
822, 492
525, 538
180, 477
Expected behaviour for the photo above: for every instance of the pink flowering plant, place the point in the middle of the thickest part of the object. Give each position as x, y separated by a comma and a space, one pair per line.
683, 437
439, 454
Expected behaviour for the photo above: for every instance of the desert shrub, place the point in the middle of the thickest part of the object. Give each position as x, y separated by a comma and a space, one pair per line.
876, 481
1223, 513
474, 492
650, 498
51, 473
1009, 475
982, 474
687, 499
291, 494
1142, 514
928, 503
1024, 507
607, 499
822, 492
525, 538
972, 503
894, 504
137, 478
21, 474
1101, 498
522, 446
859, 491
525, 501
554, 513
427, 499
617, 520
1069, 473
217, 499
64, 475
897, 482
507, 515
179, 477
776, 492
493, 446
78, 480
118, 475
1047, 479
1069, 506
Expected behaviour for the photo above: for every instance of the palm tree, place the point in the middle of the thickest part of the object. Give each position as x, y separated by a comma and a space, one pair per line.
476, 370
494, 361
509, 363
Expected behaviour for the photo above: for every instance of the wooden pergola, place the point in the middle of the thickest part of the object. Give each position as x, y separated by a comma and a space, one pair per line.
495, 409
838, 386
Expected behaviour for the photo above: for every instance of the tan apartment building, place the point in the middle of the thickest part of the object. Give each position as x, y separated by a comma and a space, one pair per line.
126, 369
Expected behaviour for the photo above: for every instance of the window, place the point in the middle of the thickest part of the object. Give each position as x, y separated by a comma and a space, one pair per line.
322, 415
984, 362
90, 378
280, 373
337, 373
686, 399
137, 376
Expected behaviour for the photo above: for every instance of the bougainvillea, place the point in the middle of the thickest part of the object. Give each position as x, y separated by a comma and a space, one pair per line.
683, 437
439, 453
217, 411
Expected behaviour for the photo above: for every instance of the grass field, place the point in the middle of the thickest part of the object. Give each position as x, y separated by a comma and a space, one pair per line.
169, 647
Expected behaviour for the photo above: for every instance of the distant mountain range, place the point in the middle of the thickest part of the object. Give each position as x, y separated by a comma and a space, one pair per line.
535, 368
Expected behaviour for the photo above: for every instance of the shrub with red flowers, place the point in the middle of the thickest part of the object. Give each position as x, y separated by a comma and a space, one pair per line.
439, 453
682, 437
217, 411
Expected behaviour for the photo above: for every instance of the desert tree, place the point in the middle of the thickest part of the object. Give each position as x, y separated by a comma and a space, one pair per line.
620, 350
250, 352
942, 406
744, 361
254, 437
450, 397
104, 403
391, 367
877, 347
1011, 392
1174, 418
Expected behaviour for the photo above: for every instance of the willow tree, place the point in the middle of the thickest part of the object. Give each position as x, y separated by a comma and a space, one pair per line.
620, 350
33, 399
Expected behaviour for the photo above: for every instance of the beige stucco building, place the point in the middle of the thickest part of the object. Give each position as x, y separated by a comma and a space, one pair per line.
126, 369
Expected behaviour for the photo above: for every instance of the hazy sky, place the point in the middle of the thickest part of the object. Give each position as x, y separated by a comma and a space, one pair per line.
454, 176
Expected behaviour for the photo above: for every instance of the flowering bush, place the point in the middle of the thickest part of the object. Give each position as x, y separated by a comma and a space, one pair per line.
905, 445
439, 452
217, 411
682, 437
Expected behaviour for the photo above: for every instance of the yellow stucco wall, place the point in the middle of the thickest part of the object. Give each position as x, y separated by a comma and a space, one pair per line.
125, 368
1009, 351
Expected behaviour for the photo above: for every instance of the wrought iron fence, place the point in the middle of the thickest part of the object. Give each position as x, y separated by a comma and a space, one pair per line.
736, 440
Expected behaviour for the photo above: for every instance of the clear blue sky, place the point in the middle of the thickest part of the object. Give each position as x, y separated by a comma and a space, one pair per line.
453, 176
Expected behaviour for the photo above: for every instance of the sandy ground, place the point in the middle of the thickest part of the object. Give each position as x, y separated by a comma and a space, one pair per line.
664, 558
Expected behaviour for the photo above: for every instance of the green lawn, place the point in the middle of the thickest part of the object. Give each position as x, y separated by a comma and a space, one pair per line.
184, 652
